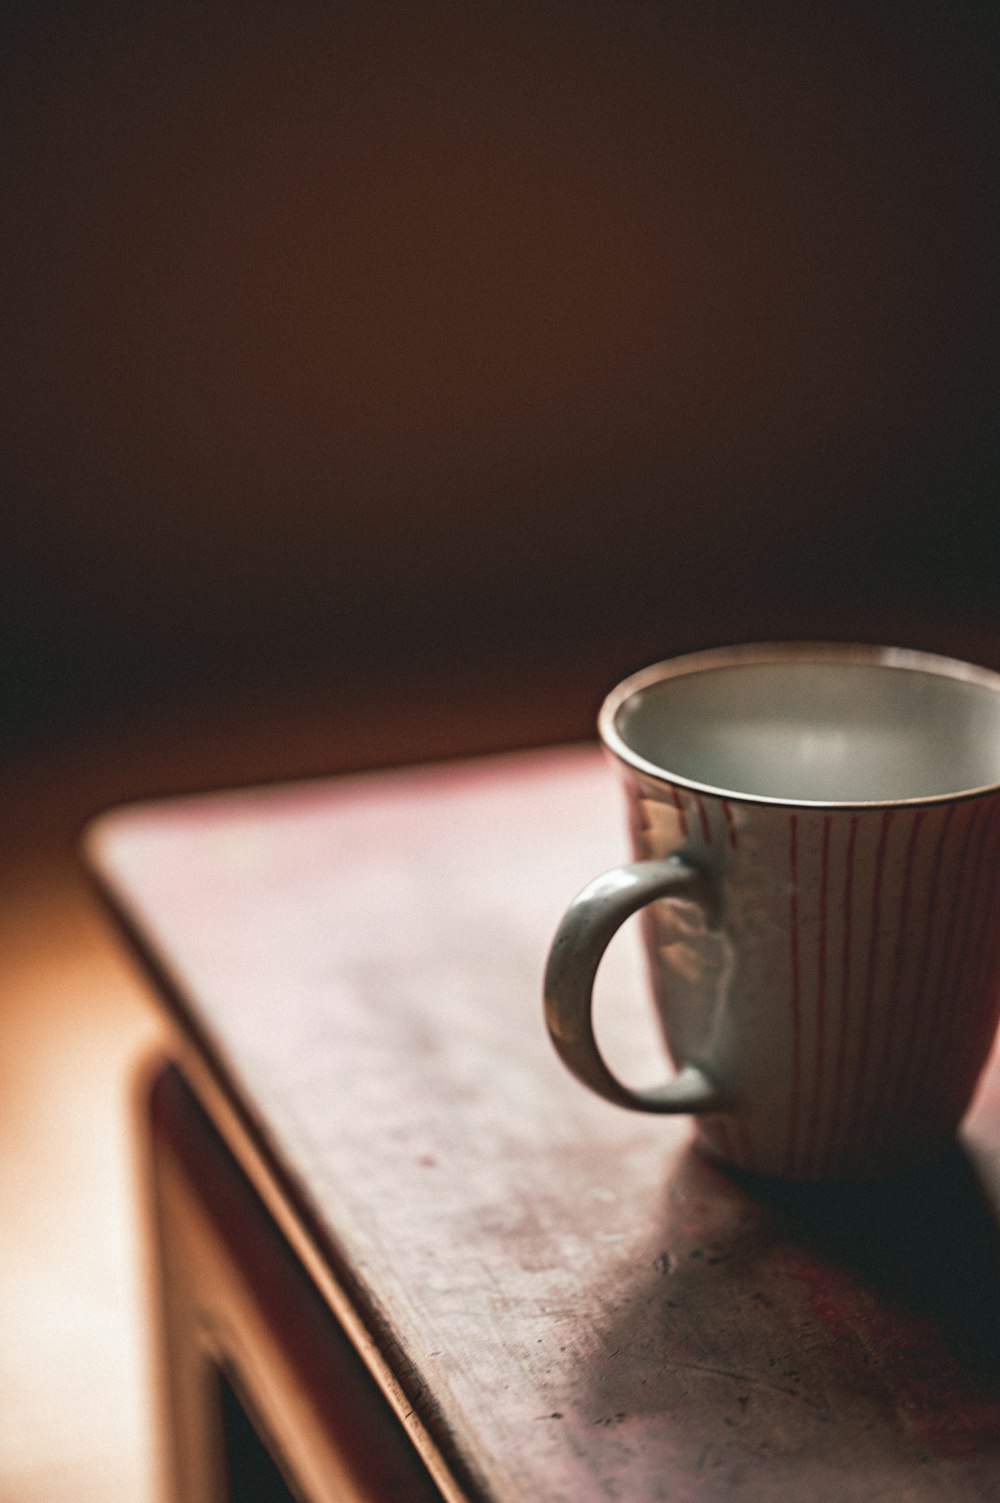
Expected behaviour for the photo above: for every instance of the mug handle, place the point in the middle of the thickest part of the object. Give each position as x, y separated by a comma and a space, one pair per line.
586, 930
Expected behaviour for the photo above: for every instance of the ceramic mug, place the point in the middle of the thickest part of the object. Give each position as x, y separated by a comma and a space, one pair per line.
816, 832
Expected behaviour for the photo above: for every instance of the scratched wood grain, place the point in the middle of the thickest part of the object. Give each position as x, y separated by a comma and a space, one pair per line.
577, 1302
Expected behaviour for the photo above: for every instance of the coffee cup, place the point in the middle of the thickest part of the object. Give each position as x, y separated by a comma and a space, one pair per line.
816, 839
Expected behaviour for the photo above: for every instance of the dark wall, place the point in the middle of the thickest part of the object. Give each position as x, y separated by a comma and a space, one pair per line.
367, 335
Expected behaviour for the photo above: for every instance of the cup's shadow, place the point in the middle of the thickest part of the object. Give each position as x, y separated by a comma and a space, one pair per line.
829, 1315
927, 1240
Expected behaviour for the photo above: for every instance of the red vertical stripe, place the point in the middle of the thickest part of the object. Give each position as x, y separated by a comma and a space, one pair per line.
986, 908
706, 829
944, 1011
730, 822
676, 798
819, 1057
843, 1016
884, 1070
976, 896
909, 1051
975, 986
875, 922
796, 1000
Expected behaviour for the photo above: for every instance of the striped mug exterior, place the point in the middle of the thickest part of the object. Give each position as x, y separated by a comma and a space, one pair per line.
826, 970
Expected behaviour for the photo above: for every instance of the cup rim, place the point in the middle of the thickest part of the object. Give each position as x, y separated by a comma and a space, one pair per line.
913, 659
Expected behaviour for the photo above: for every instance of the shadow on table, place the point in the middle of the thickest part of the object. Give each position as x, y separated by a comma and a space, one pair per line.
760, 1323
927, 1241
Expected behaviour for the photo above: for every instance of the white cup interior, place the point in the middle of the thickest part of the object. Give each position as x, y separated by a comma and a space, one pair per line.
809, 730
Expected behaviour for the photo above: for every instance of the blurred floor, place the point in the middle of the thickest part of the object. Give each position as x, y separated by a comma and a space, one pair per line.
74, 1409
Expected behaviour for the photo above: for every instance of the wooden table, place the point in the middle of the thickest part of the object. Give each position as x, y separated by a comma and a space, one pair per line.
551, 1299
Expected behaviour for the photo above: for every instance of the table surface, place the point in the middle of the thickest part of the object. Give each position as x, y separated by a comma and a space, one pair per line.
562, 1300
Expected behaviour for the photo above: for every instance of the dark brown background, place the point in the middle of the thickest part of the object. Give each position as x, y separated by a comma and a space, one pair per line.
396, 339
